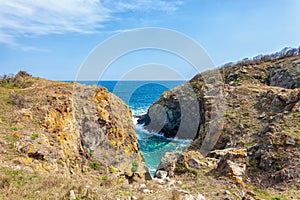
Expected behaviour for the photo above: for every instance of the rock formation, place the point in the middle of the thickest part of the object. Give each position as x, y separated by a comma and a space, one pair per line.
68, 128
258, 118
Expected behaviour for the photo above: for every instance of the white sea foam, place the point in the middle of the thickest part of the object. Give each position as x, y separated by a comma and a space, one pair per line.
152, 149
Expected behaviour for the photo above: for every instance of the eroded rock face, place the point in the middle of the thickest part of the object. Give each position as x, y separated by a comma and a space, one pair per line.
81, 129
233, 164
171, 114
286, 76
279, 100
107, 130
260, 113
181, 111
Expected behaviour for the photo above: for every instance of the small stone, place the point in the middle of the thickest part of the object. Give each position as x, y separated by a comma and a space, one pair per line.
171, 183
72, 195
167, 179
161, 174
244, 71
200, 197
188, 197
285, 174
250, 196
227, 192
134, 198
194, 163
160, 181
143, 185
146, 191
17, 167
290, 140
262, 116
179, 182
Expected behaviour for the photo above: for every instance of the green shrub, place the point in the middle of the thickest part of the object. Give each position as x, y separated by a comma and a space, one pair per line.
111, 169
14, 128
246, 113
94, 165
104, 178
135, 166
226, 115
277, 198
34, 136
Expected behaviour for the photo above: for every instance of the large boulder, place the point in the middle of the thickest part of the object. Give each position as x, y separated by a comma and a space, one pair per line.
177, 163
286, 76
233, 164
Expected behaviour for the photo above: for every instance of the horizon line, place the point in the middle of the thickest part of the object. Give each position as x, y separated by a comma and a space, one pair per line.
128, 80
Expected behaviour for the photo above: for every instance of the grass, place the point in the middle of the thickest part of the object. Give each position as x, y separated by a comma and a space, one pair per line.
250, 144
296, 114
18, 184
34, 136
6, 99
274, 194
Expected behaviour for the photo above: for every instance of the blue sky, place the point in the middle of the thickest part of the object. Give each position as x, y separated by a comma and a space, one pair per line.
52, 38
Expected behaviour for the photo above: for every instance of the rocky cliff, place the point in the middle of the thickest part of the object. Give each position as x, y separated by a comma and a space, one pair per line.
243, 117
67, 128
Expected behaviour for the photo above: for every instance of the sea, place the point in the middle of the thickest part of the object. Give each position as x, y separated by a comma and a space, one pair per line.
139, 95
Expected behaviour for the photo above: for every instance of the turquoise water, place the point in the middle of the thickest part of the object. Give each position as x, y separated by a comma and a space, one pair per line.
139, 95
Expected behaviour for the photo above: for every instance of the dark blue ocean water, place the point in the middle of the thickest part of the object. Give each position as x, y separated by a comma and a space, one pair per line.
139, 95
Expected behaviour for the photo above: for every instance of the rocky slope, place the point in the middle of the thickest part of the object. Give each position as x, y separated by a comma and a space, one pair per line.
67, 129
244, 117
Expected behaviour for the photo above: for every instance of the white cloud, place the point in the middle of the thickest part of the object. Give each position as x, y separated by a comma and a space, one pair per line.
143, 5
25, 18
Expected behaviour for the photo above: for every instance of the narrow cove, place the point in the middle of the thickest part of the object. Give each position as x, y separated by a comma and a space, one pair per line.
139, 95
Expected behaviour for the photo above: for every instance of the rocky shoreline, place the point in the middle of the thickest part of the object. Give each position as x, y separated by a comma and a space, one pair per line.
255, 134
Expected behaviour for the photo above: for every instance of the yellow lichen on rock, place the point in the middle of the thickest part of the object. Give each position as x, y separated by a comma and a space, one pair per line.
103, 114
17, 135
